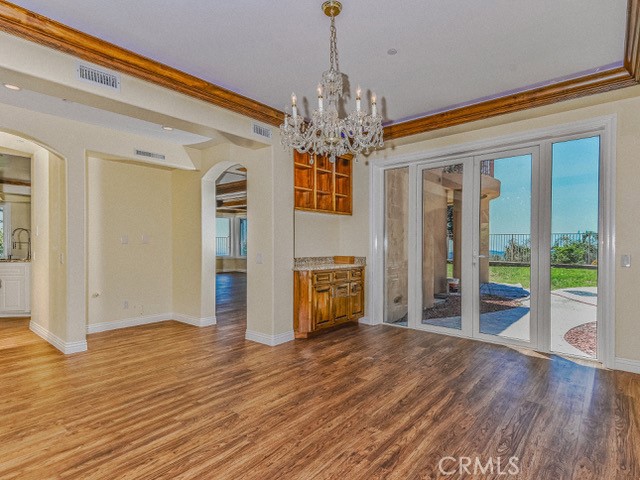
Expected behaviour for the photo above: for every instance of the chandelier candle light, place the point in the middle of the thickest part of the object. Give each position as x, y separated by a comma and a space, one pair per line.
326, 133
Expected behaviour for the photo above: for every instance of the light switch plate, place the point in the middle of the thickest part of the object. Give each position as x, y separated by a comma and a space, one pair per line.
625, 261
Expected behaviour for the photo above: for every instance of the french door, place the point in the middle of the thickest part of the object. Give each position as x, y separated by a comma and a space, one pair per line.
502, 246
454, 218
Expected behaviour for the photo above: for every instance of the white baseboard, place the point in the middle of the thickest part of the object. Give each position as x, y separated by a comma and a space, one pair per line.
128, 322
365, 321
195, 321
16, 315
271, 340
627, 365
232, 270
145, 320
65, 347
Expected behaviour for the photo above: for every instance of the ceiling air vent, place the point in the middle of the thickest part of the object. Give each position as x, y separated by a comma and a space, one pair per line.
262, 131
157, 156
90, 74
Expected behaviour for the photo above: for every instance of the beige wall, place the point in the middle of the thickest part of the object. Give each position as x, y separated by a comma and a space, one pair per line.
269, 214
133, 201
48, 274
626, 105
57, 239
73, 140
325, 235
317, 234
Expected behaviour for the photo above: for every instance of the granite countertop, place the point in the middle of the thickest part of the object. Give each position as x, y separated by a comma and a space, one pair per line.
325, 263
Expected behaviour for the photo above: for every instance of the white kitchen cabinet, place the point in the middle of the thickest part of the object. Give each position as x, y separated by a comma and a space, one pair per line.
15, 288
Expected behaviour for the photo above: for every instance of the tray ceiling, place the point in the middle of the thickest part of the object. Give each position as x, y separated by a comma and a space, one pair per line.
449, 53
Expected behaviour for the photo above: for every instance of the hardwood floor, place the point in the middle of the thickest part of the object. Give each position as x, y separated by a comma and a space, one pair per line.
231, 298
169, 400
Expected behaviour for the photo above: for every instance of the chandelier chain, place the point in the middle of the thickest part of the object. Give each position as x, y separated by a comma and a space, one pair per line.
333, 47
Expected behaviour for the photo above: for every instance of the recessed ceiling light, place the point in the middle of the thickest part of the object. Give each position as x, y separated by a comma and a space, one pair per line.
167, 128
10, 86
392, 51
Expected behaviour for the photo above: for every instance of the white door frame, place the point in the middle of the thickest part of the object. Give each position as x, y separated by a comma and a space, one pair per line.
534, 289
466, 248
604, 126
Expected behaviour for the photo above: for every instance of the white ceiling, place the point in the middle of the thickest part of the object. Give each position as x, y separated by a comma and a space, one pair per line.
449, 52
95, 116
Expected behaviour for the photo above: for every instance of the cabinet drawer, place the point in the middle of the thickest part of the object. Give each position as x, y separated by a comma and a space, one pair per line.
341, 275
322, 277
355, 274
356, 288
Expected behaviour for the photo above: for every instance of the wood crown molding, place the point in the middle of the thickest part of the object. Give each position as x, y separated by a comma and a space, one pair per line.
588, 85
44, 31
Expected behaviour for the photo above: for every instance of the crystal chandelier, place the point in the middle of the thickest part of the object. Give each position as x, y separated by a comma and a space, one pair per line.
326, 133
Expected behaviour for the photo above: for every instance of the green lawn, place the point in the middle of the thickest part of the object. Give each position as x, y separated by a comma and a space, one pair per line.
560, 277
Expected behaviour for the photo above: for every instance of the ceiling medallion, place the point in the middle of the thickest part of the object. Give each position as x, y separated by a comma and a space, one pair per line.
326, 133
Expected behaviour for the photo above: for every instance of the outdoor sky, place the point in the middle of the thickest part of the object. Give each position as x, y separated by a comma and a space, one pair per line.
574, 187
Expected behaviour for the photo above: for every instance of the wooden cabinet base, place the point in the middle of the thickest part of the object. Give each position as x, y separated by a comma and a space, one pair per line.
337, 326
326, 299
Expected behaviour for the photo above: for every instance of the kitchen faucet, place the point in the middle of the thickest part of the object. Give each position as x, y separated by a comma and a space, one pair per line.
18, 243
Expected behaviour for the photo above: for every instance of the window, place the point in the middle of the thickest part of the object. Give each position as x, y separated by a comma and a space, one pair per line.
243, 237
223, 237
231, 236
5, 230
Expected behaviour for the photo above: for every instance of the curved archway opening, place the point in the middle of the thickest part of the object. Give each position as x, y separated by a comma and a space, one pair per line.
33, 238
224, 243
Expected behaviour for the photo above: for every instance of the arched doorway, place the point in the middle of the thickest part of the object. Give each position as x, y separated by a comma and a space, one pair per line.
231, 246
33, 241
224, 243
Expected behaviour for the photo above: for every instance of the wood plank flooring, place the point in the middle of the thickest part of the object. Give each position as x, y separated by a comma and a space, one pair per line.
169, 400
231, 298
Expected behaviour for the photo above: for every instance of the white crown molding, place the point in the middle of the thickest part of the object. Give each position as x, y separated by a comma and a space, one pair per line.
270, 340
627, 365
65, 347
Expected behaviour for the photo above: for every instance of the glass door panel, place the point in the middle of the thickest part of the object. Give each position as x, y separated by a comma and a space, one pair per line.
396, 246
442, 191
502, 255
574, 246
